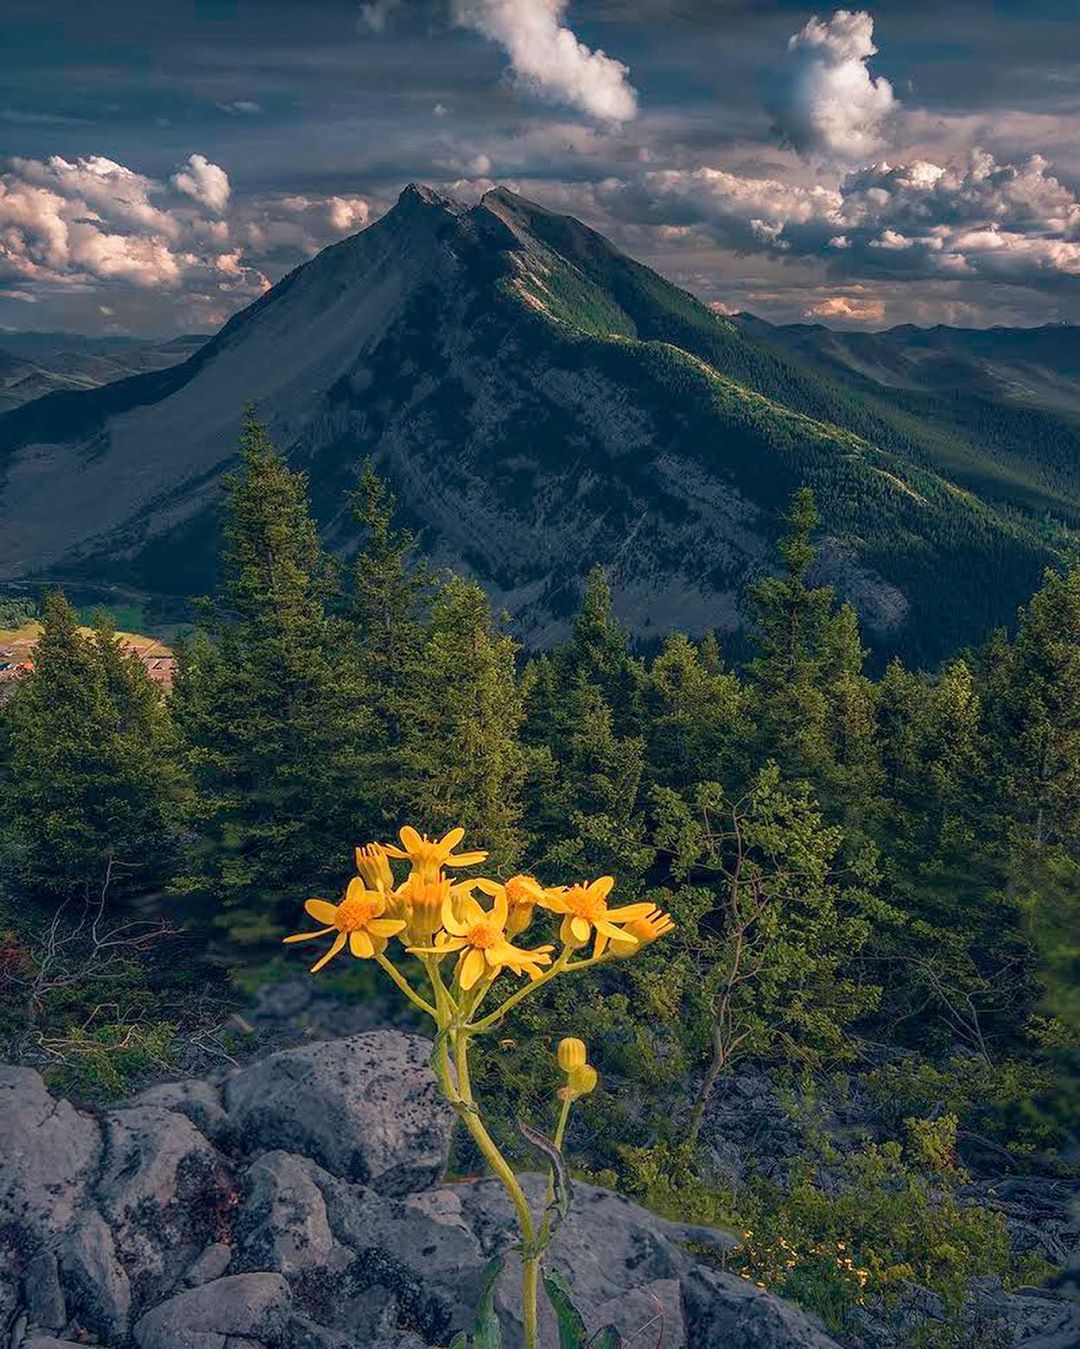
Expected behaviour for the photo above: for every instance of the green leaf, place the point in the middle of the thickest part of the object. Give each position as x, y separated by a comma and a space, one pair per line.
488, 1334
460, 1341
608, 1338
572, 1332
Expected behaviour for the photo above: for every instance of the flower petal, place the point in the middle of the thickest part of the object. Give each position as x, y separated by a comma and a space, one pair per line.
466, 859
602, 886
410, 839
500, 909
339, 942
488, 887
307, 936
449, 918
385, 927
321, 910
629, 912
471, 968
450, 840
360, 945
580, 928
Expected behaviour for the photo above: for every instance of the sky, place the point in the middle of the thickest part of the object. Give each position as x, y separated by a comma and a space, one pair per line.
161, 164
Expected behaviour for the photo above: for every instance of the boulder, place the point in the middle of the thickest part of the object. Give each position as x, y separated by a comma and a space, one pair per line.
211, 1263
365, 1108
200, 1101
162, 1190
251, 1308
48, 1155
724, 1309
282, 1224
626, 1264
94, 1281
43, 1296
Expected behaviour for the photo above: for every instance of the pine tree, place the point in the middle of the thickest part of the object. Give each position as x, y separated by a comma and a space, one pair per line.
386, 608
272, 710
599, 652
791, 629
462, 752
91, 787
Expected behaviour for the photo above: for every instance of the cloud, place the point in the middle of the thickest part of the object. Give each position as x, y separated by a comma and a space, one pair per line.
97, 226
975, 218
204, 182
245, 106
376, 15
847, 308
549, 58
830, 104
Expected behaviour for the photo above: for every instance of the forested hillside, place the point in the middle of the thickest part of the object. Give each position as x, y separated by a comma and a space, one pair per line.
874, 877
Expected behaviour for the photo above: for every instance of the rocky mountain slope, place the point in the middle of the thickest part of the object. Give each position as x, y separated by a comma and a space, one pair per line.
540, 402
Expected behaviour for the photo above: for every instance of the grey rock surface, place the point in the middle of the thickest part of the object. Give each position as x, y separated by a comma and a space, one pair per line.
314, 1219
366, 1108
48, 1155
252, 1307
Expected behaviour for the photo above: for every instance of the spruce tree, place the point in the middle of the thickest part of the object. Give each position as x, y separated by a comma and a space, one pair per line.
386, 608
462, 751
271, 705
91, 784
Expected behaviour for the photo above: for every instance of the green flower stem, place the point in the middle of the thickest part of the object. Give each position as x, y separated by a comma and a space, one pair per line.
560, 1134
468, 1111
405, 986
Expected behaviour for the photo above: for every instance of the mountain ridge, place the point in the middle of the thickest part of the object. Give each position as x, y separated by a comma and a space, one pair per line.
539, 401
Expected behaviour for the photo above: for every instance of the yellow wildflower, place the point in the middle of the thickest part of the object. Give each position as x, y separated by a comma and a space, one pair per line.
646, 929
480, 936
523, 893
357, 920
584, 909
428, 856
373, 864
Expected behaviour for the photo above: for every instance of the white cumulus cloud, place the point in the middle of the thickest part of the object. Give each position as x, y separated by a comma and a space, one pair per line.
204, 182
550, 58
831, 105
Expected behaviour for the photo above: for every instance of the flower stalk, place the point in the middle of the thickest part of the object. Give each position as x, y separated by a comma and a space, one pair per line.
466, 949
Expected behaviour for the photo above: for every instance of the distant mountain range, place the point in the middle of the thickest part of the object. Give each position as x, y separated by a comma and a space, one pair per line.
540, 402
34, 364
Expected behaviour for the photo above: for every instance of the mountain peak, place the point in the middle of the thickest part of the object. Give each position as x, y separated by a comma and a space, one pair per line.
418, 194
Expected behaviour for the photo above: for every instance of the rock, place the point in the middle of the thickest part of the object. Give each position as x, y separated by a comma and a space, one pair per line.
613, 1251
366, 1108
723, 1309
406, 1268
244, 1307
94, 1281
210, 1264
48, 1342
282, 1224
42, 1294
199, 1101
161, 1189
48, 1155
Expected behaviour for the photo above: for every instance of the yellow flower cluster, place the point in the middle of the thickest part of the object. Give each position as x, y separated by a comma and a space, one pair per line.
478, 922
434, 916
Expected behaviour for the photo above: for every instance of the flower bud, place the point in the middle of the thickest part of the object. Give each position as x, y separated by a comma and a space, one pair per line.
373, 864
580, 1081
572, 1054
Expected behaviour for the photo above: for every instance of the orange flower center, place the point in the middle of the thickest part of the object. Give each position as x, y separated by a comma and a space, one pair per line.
584, 905
519, 890
484, 936
354, 914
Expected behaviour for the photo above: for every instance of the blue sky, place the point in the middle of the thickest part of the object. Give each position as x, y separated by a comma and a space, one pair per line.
914, 162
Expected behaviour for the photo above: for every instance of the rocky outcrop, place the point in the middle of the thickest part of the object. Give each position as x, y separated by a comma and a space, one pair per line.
298, 1202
